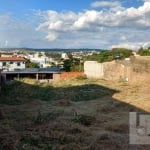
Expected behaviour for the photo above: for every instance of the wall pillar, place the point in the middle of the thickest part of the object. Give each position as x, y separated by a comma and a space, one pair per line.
18, 76
56, 77
37, 76
4, 77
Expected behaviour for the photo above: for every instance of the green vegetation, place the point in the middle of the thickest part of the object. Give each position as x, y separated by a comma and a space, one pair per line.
20, 92
59, 115
109, 55
103, 56
84, 119
54, 55
144, 52
72, 64
45, 117
31, 142
30, 64
89, 91
12, 94
122, 52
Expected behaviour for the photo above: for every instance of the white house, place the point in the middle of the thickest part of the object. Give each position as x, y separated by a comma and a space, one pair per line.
64, 56
41, 60
11, 63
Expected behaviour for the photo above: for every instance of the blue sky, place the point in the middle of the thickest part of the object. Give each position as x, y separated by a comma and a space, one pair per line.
75, 23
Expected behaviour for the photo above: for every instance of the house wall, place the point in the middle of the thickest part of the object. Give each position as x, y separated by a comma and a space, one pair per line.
11, 65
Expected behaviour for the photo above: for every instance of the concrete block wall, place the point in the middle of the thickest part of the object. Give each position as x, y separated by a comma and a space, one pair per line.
93, 69
108, 70
140, 69
115, 70
135, 70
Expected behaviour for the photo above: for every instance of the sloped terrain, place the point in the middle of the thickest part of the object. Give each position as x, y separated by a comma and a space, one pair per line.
73, 114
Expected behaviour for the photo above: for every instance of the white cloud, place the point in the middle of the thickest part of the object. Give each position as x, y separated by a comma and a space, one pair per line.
146, 0
85, 19
123, 38
133, 46
146, 44
106, 4
52, 36
56, 24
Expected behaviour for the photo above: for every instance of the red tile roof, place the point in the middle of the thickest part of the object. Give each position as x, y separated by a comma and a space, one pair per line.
12, 59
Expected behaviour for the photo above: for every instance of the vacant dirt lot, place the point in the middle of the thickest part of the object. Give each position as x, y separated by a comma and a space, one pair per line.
75, 114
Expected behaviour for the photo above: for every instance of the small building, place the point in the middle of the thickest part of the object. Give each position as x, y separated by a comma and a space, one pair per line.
41, 74
11, 63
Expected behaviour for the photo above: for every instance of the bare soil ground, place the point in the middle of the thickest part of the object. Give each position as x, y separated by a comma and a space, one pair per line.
74, 114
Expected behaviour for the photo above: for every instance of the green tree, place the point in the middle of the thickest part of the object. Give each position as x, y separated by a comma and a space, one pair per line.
30, 64
102, 56
76, 65
72, 64
144, 52
122, 52
106, 55
67, 65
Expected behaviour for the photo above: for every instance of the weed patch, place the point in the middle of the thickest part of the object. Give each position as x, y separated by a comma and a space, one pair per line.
84, 120
45, 117
89, 92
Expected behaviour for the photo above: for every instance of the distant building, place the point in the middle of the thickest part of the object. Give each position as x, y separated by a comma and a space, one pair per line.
12, 63
39, 58
6, 55
64, 56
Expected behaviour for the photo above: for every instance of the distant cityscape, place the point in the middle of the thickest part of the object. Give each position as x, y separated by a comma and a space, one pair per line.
48, 49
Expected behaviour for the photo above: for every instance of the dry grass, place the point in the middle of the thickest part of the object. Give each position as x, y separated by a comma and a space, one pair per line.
36, 124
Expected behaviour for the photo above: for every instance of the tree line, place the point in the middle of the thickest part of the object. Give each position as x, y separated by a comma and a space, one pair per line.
74, 64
